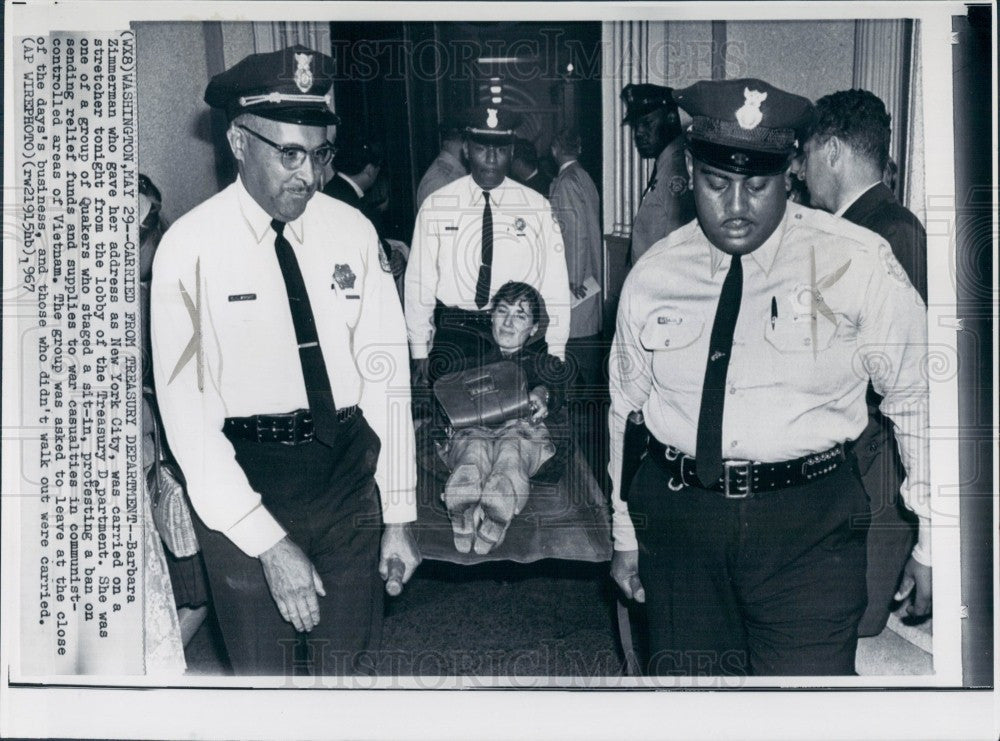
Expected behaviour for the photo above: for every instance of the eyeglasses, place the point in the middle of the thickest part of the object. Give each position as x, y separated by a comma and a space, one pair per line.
292, 157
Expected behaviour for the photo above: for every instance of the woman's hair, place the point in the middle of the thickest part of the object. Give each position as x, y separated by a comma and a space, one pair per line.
513, 292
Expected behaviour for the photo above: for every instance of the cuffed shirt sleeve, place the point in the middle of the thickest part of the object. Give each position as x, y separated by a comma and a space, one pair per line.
420, 286
630, 374
893, 342
380, 351
555, 285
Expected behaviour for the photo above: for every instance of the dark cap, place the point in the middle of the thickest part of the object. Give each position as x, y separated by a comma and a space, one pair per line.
746, 126
292, 85
491, 123
645, 98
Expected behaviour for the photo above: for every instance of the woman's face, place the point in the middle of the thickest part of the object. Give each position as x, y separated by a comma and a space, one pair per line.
512, 325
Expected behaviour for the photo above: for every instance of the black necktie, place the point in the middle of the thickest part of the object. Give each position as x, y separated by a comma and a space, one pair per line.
318, 392
486, 268
708, 457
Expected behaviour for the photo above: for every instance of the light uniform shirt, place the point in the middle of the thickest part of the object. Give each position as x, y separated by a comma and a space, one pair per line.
218, 288
446, 168
667, 205
446, 254
577, 206
843, 308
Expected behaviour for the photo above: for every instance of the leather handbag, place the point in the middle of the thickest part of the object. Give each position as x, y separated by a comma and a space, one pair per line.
172, 516
169, 504
484, 396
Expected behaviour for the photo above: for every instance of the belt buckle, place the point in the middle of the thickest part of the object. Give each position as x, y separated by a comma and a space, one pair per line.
727, 481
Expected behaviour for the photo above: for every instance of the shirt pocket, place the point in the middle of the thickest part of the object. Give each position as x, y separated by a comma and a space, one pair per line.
670, 330
344, 296
678, 357
799, 334
245, 307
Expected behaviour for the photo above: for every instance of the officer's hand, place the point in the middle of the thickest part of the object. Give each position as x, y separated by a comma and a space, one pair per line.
625, 572
294, 582
539, 408
422, 372
400, 557
916, 583
578, 289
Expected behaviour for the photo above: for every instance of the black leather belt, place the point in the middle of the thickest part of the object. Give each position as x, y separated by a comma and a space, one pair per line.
740, 479
293, 428
453, 317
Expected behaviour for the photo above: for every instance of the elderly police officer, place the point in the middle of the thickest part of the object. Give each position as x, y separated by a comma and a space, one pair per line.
473, 236
281, 368
747, 339
666, 202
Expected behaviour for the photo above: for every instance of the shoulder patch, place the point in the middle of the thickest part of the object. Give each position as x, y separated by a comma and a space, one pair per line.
677, 185
891, 264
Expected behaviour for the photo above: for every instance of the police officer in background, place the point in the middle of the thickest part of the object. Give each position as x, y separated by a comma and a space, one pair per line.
447, 167
666, 202
473, 236
747, 339
281, 367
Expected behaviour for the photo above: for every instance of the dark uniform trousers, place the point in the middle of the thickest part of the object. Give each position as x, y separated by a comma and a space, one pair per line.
773, 584
327, 500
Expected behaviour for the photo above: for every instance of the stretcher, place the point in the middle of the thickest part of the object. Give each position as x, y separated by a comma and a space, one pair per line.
568, 518
565, 519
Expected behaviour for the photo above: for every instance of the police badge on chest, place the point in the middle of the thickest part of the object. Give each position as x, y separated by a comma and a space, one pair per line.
344, 277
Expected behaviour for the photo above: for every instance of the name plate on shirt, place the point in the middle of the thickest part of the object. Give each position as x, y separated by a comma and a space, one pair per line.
243, 297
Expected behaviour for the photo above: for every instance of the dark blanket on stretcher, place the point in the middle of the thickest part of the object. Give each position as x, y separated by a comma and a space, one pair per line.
568, 519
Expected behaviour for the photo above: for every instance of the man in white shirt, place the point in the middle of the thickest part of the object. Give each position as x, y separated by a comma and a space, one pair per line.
473, 236
271, 319
747, 339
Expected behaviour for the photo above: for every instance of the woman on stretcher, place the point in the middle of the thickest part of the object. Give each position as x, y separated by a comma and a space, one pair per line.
491, 466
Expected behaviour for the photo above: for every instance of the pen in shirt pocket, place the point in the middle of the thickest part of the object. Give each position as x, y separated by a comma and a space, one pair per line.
774, 311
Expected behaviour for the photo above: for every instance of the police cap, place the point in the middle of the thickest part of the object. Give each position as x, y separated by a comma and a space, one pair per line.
492, 124
744, 126
293, 85
645, 98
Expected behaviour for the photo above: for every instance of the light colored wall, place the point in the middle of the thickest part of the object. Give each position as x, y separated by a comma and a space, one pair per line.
688, 53
810, 58
175, 147
237, 41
